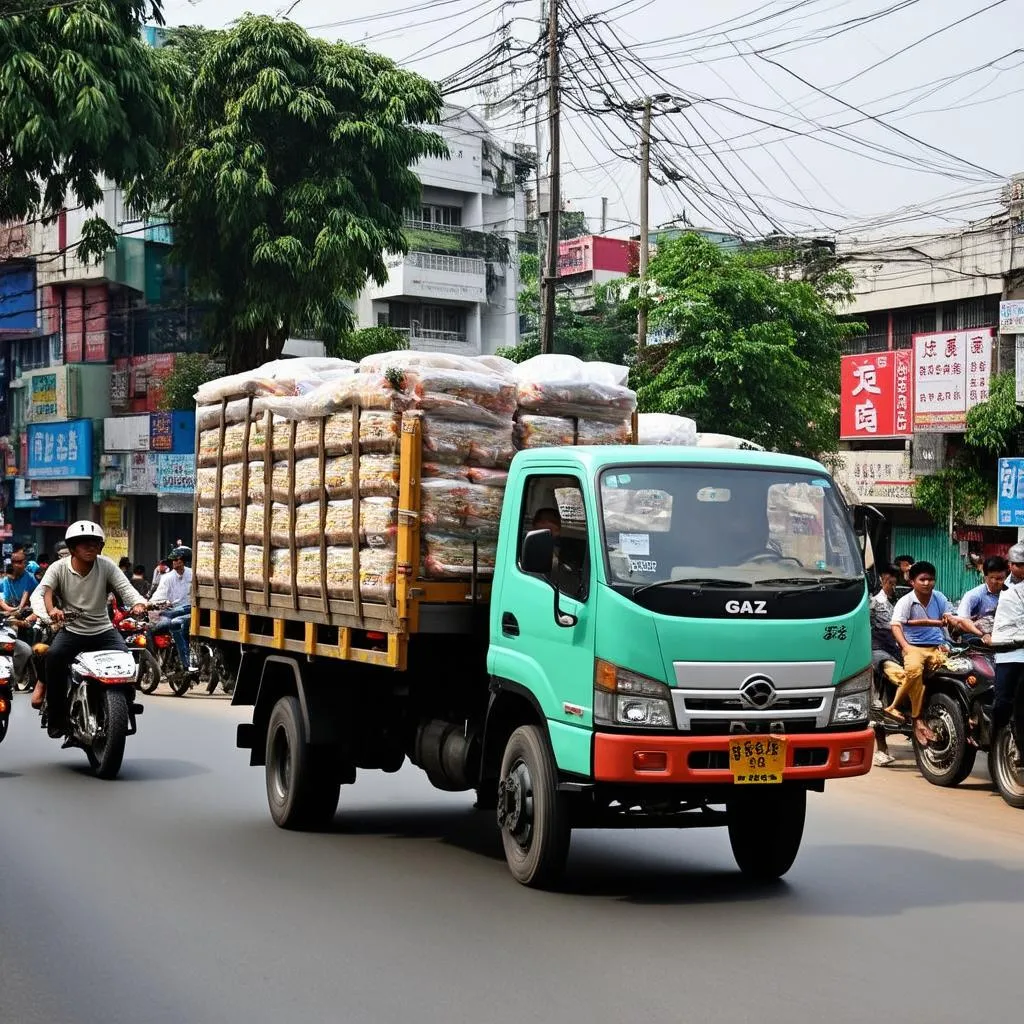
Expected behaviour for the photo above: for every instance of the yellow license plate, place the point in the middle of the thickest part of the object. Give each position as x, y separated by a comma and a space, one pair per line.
757, 760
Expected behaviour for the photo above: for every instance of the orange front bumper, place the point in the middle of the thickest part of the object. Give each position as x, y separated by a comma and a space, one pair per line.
835, 755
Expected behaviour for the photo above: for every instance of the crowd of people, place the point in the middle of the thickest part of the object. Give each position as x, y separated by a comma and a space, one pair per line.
910, 635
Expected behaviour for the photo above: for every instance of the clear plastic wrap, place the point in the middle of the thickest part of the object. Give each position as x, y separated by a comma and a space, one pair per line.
234, 412
473, 474
553, 431
446, 557
276, 378
461, 509
559, 385
412, 359
453, 441
663, 428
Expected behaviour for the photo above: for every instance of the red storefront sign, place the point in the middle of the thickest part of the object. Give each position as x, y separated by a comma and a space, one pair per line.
876, 396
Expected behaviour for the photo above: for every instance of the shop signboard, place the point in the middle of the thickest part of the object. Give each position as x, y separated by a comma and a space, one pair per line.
60, 450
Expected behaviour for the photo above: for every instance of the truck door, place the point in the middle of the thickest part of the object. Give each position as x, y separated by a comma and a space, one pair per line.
529, 649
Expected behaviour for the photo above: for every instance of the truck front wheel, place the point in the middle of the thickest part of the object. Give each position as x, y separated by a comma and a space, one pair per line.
302, 788
765, 829
532, 815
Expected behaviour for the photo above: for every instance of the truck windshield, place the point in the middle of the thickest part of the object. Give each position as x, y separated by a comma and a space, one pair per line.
702, 524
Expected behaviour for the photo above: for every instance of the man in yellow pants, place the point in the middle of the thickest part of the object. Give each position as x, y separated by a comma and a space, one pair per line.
919, 622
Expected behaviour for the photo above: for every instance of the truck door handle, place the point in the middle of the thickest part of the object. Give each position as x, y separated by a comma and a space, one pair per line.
509, 624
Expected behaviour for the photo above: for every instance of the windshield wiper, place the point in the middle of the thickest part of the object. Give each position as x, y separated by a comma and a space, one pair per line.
694, 581
805, 582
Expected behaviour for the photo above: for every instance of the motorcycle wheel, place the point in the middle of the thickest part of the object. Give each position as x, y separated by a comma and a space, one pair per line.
950, 758
1006, 766
107, 752
148, 678
3, 727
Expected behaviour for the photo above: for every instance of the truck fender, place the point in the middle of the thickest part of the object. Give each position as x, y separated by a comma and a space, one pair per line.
509, 706
281, 676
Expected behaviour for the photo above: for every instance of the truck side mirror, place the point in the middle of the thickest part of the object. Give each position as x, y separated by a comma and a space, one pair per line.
539, 557
539, 552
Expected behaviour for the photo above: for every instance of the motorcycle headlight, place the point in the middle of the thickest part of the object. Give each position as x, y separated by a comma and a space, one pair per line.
627, 698
852, 699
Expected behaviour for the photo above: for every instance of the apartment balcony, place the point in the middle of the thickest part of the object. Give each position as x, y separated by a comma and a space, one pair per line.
423, 339
426, 275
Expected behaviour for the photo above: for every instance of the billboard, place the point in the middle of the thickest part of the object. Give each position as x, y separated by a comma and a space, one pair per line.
876, 399
878, 478
951, 375
60, 450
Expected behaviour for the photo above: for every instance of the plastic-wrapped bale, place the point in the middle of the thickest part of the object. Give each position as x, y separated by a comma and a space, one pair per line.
472, 474
726, 441
377, 571
277, 378
461, 509
230, 483
448, 557
557, 385
378, 519
461, 442
228, 562
664, 428
534, 431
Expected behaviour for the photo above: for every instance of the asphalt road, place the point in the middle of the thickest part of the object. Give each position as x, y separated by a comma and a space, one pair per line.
168, 896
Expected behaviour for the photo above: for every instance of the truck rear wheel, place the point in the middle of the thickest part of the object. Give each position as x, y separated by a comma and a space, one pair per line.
534, 821
302, 787
766, 826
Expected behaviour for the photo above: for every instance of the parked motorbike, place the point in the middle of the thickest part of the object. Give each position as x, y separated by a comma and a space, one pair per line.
136, 635
101, 710
958, 703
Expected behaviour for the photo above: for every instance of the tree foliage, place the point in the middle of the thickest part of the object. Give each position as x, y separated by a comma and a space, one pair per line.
752, 354
359, 344
290, 176
605, 331
190, 371
81, 97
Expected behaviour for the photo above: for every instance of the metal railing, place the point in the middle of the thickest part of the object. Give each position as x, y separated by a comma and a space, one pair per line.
464, 265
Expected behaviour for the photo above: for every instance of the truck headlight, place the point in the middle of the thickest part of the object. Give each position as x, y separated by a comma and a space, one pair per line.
852, 699
627, 698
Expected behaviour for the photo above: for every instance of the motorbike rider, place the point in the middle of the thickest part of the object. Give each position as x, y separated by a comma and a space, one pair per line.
978, 606
1015, 556
175, 590
919, 621
81, 582
885, 651
15, 591
1008, 629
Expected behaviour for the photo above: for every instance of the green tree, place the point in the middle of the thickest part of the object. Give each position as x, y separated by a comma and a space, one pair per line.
82, 97
290, 177
359, 344
190, 371
605, 331
752, 354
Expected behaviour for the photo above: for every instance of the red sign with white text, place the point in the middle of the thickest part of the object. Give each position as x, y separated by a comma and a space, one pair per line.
876, 396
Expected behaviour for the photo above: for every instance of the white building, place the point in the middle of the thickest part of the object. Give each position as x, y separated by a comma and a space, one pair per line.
455, 290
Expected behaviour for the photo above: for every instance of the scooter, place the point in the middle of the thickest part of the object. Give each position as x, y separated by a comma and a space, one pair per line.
101, 710
959, 700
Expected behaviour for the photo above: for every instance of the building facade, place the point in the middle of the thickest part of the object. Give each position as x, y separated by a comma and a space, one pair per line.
455, 290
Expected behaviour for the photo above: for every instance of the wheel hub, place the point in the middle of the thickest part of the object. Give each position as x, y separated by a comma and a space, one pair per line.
515, 803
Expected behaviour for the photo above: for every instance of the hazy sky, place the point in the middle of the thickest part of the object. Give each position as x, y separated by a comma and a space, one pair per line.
790, 122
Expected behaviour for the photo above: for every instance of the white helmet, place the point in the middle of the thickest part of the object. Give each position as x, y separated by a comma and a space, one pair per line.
84, 530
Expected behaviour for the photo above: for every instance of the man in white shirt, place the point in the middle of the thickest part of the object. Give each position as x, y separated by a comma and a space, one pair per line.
175, 590
1015, 556
1008, 629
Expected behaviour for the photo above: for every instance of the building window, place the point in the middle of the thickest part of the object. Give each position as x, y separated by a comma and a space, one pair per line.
908, 322
449, 319
441, 216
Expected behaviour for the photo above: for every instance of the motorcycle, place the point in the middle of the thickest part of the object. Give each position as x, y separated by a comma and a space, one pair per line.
1006, 756
8, 636
209, 661
101, 707
135, 633
957, 709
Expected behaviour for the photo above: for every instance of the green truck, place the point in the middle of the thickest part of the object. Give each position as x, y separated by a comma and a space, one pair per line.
685, 644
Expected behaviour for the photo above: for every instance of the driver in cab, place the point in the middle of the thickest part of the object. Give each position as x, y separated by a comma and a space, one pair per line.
82, 584
567, 570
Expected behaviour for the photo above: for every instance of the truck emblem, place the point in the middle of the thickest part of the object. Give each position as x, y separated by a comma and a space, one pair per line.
758, 693
746, 607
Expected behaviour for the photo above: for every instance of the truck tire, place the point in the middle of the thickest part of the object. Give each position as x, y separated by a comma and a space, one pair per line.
950, 759
766, 825
532, 815
302, 788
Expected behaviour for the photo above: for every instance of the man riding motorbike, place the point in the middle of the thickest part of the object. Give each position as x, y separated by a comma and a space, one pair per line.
175, 590
81, 582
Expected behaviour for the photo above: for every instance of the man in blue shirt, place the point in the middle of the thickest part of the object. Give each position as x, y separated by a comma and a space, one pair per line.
17, 586
919, 623
977, 609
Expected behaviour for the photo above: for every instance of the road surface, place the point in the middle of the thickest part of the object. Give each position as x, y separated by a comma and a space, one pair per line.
168, 897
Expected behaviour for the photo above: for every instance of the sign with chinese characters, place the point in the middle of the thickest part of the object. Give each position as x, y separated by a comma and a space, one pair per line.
1010, 501
175, 474
877, 478
951, 375
60, 450
161, 432
1011, 317
877, 396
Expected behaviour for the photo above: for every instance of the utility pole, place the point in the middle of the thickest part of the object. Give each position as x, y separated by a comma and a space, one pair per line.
604, 214
538, 128
550, 278
645, 181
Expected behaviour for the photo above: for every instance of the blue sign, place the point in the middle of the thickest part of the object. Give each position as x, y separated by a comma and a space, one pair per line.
1011, 492
60, 451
